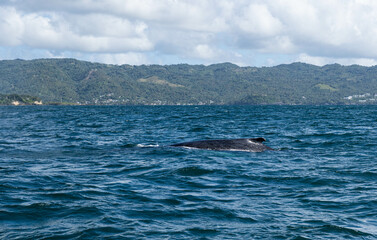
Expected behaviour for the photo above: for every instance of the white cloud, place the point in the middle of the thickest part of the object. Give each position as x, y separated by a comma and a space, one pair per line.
89, 33
119, 59
334, 28
11, 27
194, 30
257, 21
99, 25
204, 51
321, 61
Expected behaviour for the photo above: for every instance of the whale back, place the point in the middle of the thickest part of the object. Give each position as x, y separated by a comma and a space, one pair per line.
260, 139
241, 144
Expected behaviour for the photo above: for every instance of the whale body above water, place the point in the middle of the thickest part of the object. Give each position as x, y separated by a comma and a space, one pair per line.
241, 144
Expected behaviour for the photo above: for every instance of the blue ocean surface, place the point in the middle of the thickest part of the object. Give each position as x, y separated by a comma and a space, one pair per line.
108, 172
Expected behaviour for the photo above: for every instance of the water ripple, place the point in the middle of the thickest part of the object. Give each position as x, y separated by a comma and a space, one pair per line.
108, 173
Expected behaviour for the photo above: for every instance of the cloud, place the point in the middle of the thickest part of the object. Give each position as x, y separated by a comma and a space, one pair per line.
89, 33
11, 27
330, 28
119, 58
256, 20
321, 61
194, 31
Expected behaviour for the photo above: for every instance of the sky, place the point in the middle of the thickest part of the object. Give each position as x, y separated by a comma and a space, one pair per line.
244, 32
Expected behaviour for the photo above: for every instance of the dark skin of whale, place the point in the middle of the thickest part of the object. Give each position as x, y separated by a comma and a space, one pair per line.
241, 144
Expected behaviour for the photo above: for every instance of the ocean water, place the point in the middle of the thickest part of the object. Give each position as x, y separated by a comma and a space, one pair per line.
90, 172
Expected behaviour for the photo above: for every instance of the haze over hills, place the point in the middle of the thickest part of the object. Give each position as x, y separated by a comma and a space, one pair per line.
80, 82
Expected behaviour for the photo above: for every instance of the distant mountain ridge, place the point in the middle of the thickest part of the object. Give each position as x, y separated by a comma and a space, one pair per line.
81, 82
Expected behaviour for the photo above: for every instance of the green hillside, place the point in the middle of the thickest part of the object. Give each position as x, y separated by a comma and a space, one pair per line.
80, 82
15, 99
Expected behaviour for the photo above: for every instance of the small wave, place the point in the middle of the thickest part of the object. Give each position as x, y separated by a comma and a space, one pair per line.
171, 201
64, 196
85, 212
193, 171
3, 142
203, 231
220, 213
127, 145
93, 125
147, 145
212, 211
197, 129
345, 230
31, 212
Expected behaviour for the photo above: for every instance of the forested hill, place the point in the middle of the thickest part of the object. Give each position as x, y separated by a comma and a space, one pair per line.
73, 81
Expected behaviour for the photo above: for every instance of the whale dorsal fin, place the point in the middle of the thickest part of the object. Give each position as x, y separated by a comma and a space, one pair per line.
258, 139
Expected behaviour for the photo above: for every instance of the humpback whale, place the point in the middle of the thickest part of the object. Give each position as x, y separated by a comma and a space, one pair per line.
241, 144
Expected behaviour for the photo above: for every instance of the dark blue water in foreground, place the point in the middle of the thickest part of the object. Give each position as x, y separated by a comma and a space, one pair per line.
108, 173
